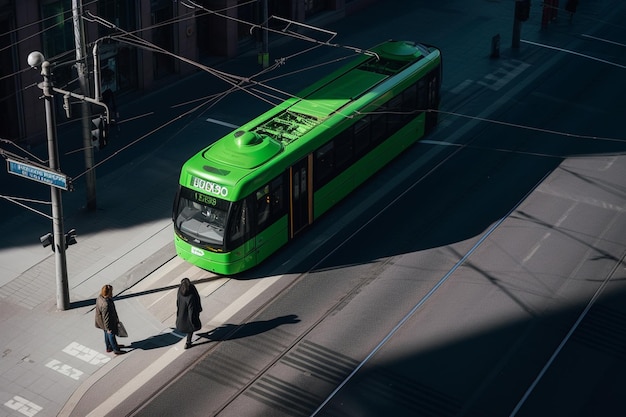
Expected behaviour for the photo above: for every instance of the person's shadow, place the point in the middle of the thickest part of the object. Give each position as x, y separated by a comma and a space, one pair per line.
237, 331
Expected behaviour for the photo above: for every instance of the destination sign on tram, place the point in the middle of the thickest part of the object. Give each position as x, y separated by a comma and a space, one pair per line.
209, 187
38, 174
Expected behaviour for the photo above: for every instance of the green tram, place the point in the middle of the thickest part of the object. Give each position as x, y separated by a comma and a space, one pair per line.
251, 192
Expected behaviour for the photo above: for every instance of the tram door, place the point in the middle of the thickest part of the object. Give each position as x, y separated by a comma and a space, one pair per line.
300, 196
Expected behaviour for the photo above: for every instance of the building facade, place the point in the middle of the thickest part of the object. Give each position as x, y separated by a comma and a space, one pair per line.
114, 33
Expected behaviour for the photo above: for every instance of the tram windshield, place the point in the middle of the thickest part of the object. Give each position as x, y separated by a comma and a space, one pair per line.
201, 218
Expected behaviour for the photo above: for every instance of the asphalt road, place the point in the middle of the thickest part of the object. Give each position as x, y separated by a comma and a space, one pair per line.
487, 244
498, 248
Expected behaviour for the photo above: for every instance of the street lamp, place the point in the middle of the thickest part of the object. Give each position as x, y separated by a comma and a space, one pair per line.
36, 59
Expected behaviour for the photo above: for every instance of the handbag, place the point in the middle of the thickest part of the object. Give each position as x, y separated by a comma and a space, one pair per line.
121, 330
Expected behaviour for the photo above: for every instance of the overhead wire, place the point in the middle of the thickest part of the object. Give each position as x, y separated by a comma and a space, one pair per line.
37, 22
169, 122
244, 83
27, 25
527, 127
16, 200
265, 27
10, 142
236, 82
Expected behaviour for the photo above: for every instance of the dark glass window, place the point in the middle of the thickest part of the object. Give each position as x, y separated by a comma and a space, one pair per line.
344, 149
270, 203
239, 226
324, 164
368, 132
59, 27
409, 102
201, 218
395, 117
379, 126
362, 135
58, 38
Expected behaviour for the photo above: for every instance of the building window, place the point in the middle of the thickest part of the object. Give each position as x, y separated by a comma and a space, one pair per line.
58, 27
58, 37
313, 6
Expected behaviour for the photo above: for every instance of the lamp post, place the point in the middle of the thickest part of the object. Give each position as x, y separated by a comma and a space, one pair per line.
36, 59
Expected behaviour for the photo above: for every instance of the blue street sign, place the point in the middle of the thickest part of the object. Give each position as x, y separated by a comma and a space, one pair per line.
38, 174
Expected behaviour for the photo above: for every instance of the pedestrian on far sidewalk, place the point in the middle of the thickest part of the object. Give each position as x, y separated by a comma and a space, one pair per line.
188, 308
107, 319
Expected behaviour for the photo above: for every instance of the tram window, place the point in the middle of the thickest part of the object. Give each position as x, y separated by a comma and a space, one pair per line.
432, 91
270, 202
324, 164
422, 95
303, 178
344, 149
278, 197
395, 118
409, 102
239, 229
379, 126
362, 135
296, 184
263, 206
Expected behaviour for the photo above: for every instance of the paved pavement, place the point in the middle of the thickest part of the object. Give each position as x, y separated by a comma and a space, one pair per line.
53, 362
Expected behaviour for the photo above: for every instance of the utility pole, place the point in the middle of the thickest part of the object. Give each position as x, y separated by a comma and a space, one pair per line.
36, 59
81, 53
522, 13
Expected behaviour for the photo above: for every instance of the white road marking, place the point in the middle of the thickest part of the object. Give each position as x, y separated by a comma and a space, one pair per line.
64, 369
575, 53
533, 251
462, 86
437, 142
602, 40
502, 76
219, 122
161, 297
211, 286
243, 300
147, 283
548, 234
92, 357
23, 406
174, 352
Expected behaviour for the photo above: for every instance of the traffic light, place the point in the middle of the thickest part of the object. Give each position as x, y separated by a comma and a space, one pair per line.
70, 238
522, 10
48, 239
100, 133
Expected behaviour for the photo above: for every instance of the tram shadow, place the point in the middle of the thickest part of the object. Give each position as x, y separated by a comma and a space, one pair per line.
238, 331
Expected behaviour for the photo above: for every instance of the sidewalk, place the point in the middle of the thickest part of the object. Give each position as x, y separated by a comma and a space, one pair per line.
53, 362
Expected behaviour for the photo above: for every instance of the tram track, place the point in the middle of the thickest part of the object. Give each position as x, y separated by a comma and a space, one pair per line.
297, 279
250, 317
453, 151
337, 305
576, 326
348, 295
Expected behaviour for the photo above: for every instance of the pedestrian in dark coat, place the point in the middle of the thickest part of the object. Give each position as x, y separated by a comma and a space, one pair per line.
188, 308
107, 319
